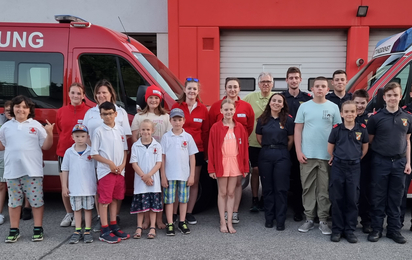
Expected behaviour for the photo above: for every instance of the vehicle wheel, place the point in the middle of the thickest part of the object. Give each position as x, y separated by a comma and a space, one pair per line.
207, 194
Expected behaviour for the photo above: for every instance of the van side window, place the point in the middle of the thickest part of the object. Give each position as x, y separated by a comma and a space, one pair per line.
404, 79
38, 76
123, 76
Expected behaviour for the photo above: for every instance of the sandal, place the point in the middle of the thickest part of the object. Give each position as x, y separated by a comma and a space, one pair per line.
137, 235
151, 235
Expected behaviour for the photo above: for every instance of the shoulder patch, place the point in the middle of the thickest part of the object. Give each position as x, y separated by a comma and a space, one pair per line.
404, 107
363, 125
309, 95
335, 125
292, 116
408, 112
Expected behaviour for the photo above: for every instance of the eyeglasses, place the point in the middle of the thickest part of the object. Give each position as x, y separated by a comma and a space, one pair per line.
265, 82
107, 114
192, 79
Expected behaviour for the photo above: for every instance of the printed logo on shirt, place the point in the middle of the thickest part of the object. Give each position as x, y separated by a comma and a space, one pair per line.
240, 140
199, 120
89, 157
301, 102
358, 135
155, 151
241, 115
33, 131
326, 114
366, 121
122, 138
184, 144
404, 121
281, 126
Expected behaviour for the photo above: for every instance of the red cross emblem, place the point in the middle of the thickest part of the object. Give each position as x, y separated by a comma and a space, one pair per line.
89, 157
184, 144
155, 151
122, 138
32, 130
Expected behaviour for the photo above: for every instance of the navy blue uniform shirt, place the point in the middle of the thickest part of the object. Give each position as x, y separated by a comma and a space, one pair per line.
348, 143
274, 133
294, 102
337, 100
389, 130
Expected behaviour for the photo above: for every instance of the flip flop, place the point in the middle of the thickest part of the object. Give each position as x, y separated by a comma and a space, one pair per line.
137, 235
151, 235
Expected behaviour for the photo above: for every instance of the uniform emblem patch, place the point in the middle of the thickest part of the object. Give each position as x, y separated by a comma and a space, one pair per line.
301, 102
366, 121
155, 151
358, 135
184, 144
122, 138
404, 121
89, 157
33, 131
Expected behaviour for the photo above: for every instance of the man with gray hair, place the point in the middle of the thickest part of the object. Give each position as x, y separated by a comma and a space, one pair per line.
258, 101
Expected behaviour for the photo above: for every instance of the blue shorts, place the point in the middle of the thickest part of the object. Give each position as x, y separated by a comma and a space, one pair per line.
170, 192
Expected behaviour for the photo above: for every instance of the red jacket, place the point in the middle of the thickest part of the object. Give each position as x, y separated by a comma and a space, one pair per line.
216, 139
66, 118
196, 124
244, 114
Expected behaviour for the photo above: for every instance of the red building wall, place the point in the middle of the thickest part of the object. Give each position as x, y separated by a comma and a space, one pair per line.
194, 27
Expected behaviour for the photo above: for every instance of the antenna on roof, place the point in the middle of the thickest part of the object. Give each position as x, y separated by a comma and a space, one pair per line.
128, 39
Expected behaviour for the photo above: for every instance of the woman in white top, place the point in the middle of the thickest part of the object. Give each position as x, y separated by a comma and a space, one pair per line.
104, 91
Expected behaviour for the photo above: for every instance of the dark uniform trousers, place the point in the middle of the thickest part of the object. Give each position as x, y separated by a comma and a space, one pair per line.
365, 199
388, 184
274, 171
295, 183
344, 194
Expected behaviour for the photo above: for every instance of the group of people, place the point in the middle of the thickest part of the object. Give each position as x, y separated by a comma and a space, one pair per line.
292, 140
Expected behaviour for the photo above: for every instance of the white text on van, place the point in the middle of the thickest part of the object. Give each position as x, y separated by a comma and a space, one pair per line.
35, 39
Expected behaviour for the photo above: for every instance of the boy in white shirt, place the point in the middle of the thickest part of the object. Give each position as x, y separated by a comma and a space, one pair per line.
178, 169
109, 149
79, 182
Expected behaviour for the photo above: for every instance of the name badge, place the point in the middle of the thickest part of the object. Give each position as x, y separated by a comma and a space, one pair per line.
241, 115
199, 120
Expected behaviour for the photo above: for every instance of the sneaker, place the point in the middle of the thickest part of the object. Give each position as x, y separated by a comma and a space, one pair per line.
87, 237
235, 218
191, 219
109, 237
183, 228
170, 229
37, 235
118, 232
13, 236
26, 214
255, 205
98, 226
308, 225
67, 220
323, 226
397, 237
1, 219
75, 238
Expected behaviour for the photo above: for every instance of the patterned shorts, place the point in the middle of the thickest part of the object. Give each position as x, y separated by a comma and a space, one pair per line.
146, 202
170, 192
82, 202
32, 187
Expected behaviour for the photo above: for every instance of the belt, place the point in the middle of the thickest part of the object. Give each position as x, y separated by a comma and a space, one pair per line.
346, 161
275, 146
394, 157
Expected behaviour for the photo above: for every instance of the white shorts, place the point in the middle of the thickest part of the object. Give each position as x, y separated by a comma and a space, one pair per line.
82, 202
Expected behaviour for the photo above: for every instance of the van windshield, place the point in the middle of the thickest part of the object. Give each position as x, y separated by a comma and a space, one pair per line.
373, 71
161, 74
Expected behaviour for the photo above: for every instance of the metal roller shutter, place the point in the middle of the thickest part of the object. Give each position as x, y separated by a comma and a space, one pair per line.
246, 53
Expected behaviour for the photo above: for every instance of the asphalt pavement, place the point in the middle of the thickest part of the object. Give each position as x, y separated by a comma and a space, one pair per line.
252, 240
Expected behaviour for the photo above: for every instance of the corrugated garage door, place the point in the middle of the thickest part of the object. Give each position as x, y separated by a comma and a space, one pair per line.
246, 53
375, 35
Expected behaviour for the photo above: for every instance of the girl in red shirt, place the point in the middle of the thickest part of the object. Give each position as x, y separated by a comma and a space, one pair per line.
196, 124
228, 159
244, 115
67, 117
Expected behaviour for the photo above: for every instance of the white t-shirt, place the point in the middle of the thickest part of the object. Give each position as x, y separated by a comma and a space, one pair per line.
110, 143
146, 158
162, 123
93, 120
81, 168
177, 149
3, 119
23, 155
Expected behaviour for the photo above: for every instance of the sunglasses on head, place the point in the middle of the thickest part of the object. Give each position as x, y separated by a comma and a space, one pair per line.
192, 79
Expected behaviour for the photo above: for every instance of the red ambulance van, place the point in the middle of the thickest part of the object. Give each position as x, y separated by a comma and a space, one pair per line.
391, 61
41, 61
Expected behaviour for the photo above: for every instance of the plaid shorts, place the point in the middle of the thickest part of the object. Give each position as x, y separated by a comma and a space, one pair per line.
170, 192
82, 202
